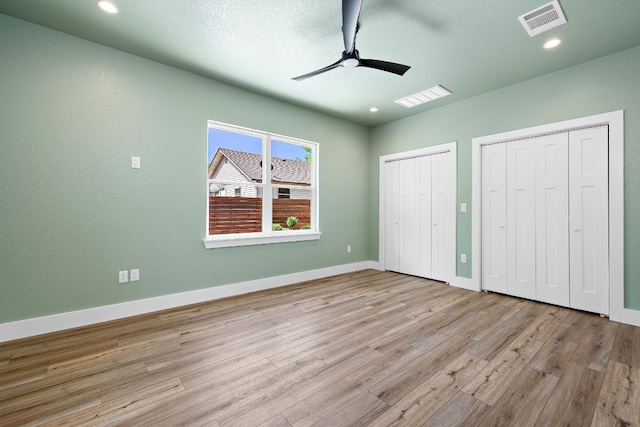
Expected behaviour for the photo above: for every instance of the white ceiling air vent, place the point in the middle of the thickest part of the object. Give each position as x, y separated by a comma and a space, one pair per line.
427, 95
543, 18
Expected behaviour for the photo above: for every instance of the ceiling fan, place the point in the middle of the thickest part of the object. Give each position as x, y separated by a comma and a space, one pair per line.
350, 55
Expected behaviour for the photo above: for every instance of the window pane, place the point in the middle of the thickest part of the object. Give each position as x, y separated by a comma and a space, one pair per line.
234, 156
291, 163
234, 209
297, 205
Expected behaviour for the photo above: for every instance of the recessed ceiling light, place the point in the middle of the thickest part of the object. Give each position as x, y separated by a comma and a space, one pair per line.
107, 6
428, 95
552, 43
373, 109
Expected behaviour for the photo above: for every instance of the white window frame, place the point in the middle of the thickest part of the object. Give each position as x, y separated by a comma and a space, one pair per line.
267, 236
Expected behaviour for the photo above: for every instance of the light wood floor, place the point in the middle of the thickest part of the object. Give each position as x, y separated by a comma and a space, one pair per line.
369, 349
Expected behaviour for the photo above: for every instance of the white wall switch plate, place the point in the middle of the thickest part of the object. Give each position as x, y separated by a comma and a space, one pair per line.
463, 207
123, 276
135, 162
134, 274
463, 258
349, 248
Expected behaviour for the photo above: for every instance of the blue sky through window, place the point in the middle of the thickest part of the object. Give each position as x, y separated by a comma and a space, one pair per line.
251, 144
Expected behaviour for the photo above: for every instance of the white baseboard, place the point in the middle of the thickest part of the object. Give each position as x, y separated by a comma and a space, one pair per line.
375, 265
58, 322
464, 283
630, 317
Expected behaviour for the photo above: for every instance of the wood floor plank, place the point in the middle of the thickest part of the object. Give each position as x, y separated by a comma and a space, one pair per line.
349, 350
523, 401
358, 412
619, 400
595, 346
544, 326
460, 411
320, 404
402, 382
53, 409
40, 393
573, 401
199, 405
488, 321
277, 421
491, 383
626, 348
497, 340
122, 408
556, 352
275, 402
426, 399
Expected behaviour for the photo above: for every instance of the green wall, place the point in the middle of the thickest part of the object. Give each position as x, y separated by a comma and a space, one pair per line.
606, 84
73, 212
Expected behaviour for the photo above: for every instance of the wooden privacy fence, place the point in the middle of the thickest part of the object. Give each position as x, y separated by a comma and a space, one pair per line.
244, 214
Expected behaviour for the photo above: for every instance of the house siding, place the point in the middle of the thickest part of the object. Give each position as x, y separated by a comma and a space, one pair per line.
228, 172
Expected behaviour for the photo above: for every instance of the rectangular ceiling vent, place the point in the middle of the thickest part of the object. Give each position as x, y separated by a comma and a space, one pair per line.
427, 95
543, 18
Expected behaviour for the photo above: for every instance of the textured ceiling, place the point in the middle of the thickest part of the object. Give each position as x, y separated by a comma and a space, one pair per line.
468, 46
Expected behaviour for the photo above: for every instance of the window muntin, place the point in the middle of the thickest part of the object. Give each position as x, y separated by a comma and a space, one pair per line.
243, 166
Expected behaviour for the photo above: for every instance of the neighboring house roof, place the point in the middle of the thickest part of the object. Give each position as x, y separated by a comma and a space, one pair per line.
284, 170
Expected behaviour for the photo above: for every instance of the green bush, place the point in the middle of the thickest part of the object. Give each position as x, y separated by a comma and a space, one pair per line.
306, 227
276, 227
292, 221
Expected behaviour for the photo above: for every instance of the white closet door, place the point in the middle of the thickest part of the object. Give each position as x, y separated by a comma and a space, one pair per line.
589, 219
441, 216
392, 233
407, 227
494, 220
423, 217
552, 219
521, 219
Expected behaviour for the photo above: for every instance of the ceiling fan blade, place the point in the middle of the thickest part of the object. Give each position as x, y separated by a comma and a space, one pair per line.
350, 15
320, 71
350, 56
390, 67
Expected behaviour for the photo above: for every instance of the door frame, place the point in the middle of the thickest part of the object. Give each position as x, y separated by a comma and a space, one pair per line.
450, 147
615, 121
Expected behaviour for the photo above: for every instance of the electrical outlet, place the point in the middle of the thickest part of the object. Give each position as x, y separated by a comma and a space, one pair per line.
135, 162
463, 258
123, 276
134, 274
349, 248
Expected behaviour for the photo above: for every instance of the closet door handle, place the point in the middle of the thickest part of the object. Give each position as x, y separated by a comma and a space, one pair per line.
502, 226
576, 229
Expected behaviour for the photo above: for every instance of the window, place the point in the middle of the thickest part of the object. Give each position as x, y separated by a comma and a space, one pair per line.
261, 188
284, 193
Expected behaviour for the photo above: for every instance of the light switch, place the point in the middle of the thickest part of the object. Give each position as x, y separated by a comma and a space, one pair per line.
135, 162
463, 207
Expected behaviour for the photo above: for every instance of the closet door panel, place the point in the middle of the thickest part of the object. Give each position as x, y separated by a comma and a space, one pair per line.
423, 215
589, 219
494, 220
441, 220
392, 231
521, 220
407, 220
552, 219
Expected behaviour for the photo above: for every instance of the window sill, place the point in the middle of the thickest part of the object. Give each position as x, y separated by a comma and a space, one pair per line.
248, 240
